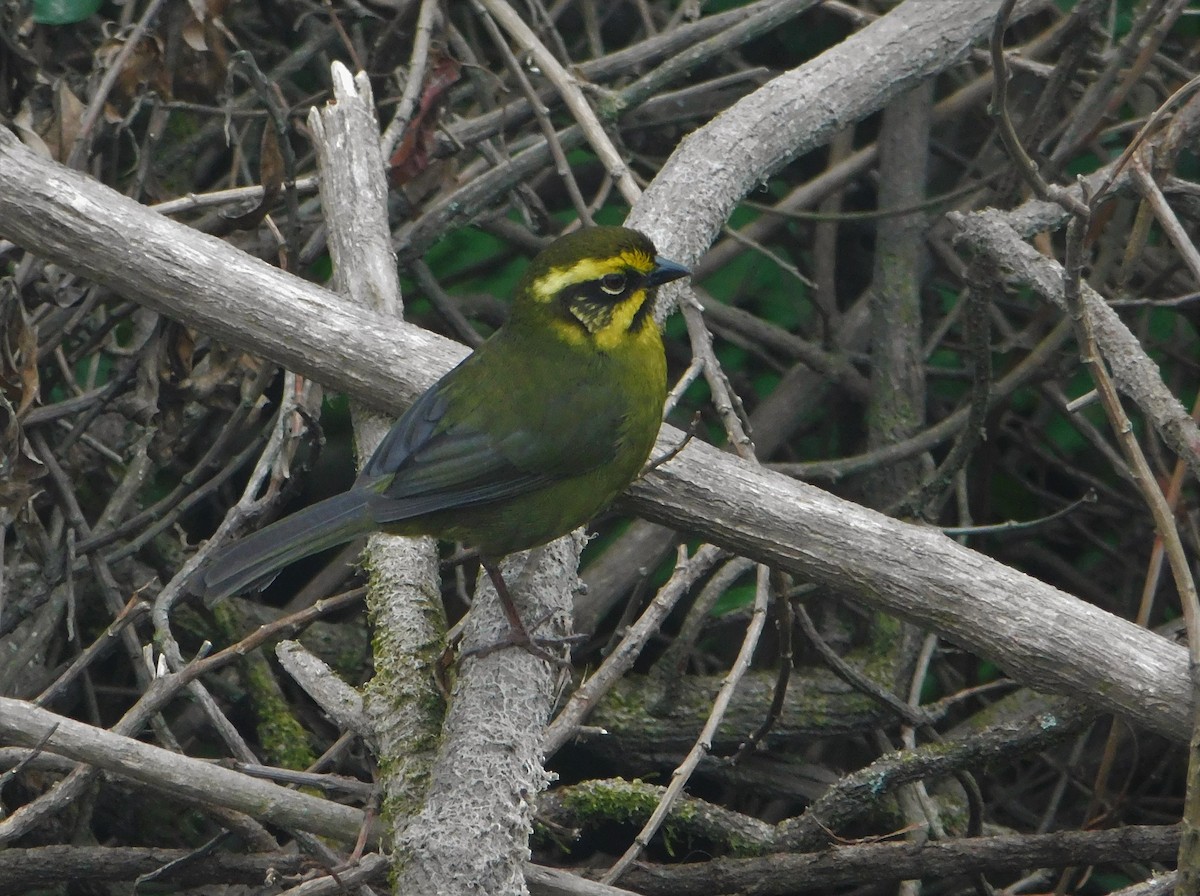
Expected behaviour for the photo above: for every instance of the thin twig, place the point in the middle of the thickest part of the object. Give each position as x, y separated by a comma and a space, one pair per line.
87, 123
1166, 216
1189, 846
703, 745
568, 89
998, 110
542, 116
415, 77
784, 616
621, 659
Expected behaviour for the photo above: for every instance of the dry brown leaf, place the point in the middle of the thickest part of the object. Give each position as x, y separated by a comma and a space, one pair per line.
412, 156
19, 380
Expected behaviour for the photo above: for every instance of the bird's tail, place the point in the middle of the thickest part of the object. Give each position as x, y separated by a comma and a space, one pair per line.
252, 562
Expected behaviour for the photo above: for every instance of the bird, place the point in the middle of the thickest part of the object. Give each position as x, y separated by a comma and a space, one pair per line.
525, 440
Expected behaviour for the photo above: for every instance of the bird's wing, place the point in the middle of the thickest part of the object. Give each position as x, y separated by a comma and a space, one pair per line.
464, 443
425, 465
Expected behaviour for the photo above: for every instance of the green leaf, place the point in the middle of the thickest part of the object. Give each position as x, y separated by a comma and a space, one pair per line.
736, 598
63, 12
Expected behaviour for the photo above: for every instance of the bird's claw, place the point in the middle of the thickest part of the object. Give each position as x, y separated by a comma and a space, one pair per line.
519, 636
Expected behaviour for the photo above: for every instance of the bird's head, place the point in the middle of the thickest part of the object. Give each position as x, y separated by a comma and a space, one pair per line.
595, 285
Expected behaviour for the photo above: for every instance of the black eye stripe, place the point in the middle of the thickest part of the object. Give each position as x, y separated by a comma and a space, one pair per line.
592, 304
602, 291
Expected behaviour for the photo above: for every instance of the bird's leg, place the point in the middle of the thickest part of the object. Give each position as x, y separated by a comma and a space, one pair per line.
518, 634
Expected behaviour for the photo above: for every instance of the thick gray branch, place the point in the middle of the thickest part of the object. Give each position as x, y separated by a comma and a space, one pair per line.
1040, 635
724, 161
191, 780
995, 234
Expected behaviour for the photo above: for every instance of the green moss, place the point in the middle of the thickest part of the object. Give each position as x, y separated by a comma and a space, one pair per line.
608, 104
629, 802
403, 688
284, 741
633, 802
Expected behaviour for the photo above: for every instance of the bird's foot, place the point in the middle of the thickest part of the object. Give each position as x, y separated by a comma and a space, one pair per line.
540, 647
518, 634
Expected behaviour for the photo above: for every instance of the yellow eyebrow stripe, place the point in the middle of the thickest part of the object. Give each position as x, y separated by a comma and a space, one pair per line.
546, 287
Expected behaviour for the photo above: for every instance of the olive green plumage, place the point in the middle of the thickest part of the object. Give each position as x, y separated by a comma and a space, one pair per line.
526, 439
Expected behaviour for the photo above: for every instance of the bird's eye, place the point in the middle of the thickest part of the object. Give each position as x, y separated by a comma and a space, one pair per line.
613, 284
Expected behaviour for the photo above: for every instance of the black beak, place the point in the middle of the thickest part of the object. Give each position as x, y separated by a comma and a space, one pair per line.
665, 271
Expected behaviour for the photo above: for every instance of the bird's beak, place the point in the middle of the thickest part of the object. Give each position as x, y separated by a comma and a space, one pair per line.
665, 271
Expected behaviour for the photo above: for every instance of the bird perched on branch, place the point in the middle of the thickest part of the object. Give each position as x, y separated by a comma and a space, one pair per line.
525, 440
